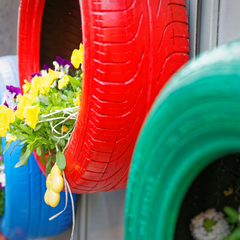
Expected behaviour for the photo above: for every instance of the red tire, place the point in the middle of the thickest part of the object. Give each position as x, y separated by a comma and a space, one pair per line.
2, 237
131, 49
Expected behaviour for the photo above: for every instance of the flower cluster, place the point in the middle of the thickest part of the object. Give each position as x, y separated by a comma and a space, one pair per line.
42, 118
209, 225
2, 182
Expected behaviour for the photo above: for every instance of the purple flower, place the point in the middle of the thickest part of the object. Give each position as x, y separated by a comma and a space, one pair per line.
1, 158
13, 89
5, 103
46, 67
36, 74
1, 186
15, 109
63, 62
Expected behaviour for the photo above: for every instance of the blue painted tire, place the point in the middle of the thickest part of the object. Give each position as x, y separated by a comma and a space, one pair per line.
26, 214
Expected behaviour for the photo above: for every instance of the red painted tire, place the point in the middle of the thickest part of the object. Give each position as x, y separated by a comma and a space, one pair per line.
2, 237
131, 49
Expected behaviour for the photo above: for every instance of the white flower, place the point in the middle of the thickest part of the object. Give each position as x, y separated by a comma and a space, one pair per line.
8, 97
2, 175
66, 68
43, 72
218, 231
54, 84
56, 65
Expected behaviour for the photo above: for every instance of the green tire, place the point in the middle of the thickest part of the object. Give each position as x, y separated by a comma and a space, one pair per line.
194, 121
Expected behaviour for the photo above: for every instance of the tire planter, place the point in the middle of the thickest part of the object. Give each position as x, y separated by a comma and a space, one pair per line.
210, 189
131, 49
25, 213
194, 121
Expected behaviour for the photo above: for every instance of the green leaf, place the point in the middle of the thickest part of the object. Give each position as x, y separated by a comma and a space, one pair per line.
20, 136
54, 100
49, 108
235, 235
39, 125
6, 146
23, 142
61, 143
55, 108
54, 139
70, 122
42, 158
17, 120
26, 129
24, 157
61, 160
232, 214
74, 81
43, 99
64, 97
49, 165
39, 151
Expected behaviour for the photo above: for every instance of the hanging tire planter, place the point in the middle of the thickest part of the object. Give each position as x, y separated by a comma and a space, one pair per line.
26, 215
194, 121
131, 49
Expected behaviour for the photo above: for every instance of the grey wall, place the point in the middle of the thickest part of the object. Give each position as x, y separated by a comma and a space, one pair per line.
8, 27
212, 22
229, 21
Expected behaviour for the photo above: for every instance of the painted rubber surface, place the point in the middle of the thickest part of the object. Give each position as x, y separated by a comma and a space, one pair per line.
2, 237
131, 48
194, 121
26, 214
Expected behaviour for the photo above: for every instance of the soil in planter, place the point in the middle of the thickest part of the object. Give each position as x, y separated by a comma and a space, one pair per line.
61, 30
207, 191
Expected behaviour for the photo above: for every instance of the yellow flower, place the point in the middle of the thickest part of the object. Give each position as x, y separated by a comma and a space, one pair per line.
63, 82
64, 128
31, 115
53, 75
19, 97
77, 101
77, 56
43, 83
26, 87
35, 84
25, 100
10, 137
7, 116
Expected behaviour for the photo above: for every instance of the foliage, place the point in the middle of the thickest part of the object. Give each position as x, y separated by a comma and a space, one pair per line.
44, 116
212, 225
2, 194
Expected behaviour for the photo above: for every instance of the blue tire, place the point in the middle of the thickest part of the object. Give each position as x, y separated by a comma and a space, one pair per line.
26, 215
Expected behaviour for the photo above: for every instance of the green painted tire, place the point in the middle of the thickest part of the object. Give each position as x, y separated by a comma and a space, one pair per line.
194, 121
